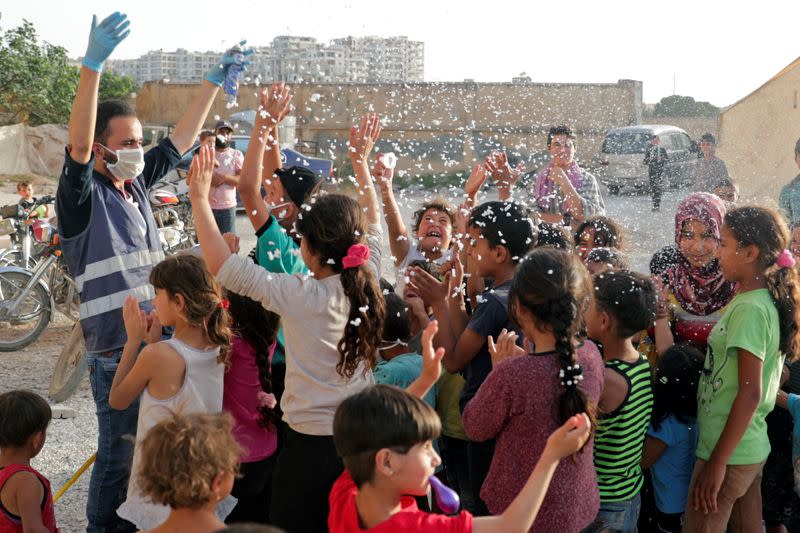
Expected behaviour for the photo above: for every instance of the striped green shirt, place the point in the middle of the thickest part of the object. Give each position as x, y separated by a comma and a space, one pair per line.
620, 435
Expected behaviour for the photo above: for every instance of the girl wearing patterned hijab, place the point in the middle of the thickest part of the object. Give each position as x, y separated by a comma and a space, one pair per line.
693, 291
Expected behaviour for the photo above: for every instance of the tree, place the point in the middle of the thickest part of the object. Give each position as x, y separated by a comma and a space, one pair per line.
683, 106
115, 86
37, 83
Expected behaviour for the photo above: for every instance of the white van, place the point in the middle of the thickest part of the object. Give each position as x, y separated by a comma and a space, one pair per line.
620, 162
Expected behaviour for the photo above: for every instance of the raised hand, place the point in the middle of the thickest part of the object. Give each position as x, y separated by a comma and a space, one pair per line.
135, 321
496, 163
475, 181
662, 291
462, 219
218, 73
363, 137
431, 359
153, 328
200, 173
426, 286
569, 438
104, 38
381, 173
505, 347
275, 103
454, 275
232, 240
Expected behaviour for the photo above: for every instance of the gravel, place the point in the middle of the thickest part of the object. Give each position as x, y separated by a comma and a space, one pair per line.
71, 441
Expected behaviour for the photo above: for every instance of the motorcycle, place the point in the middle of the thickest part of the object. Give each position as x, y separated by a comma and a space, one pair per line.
27, 232
173, 215
29, 296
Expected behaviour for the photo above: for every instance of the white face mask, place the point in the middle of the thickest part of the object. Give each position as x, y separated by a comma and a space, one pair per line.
279, 210
130, 163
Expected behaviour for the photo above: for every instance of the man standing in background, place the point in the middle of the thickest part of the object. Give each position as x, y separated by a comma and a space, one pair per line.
710, 168
655, 157
225, 178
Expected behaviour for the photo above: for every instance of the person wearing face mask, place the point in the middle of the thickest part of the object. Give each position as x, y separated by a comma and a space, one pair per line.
225, 178
110, 242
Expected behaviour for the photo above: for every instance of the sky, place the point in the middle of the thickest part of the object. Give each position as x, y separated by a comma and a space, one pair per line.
711, 50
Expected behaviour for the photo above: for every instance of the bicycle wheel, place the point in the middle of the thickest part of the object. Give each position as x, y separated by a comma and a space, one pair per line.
70, 366
31, 316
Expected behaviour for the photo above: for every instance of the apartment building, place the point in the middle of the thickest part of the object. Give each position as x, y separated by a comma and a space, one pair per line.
293, 59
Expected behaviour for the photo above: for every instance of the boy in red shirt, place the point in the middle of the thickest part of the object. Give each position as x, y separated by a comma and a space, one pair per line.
26, 502
384, 436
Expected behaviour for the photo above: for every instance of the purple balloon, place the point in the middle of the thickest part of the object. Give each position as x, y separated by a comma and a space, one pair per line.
446, 498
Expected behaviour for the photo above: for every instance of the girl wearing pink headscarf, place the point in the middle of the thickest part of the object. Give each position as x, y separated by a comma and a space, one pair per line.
693, 293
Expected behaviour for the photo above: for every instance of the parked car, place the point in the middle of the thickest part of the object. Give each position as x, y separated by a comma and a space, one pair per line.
620, 162
290, 158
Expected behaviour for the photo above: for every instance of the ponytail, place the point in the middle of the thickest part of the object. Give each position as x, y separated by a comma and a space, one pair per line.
782, 284
187, 276
362, 333
766, 230
217, 326
333, 230
259, 328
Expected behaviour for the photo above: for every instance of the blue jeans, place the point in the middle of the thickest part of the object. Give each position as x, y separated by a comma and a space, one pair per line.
617, 517
108, 486
225, 219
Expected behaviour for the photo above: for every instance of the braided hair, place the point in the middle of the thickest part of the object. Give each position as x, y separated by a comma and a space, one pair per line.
552, 285
259, 328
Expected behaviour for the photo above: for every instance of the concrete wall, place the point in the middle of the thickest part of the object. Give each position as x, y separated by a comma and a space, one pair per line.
433, 127
694, 126
757, 137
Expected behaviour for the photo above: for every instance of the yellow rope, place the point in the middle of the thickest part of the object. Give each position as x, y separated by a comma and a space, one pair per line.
75, 477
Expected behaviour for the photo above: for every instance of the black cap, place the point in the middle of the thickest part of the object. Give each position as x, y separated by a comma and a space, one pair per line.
223, 124
707, 137
298, 182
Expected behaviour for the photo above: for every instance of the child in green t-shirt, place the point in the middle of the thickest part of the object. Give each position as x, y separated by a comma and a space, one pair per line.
742, 372
25, 191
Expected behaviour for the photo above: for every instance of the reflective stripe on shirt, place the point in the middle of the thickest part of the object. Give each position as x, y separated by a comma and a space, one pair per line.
110, 302
118, 263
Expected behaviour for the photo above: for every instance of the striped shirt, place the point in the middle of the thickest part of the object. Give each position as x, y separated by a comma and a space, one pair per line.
620, 435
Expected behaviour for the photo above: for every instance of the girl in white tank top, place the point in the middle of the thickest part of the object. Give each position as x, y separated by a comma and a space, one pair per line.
181, 375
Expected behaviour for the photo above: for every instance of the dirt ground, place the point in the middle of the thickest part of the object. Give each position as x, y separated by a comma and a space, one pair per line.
70, 441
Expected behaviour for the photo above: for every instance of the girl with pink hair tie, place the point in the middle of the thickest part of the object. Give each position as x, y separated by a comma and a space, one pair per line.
742, 372
332, 322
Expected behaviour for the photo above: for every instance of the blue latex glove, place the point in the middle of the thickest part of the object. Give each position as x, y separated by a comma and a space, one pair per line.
103, 38
217, 75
